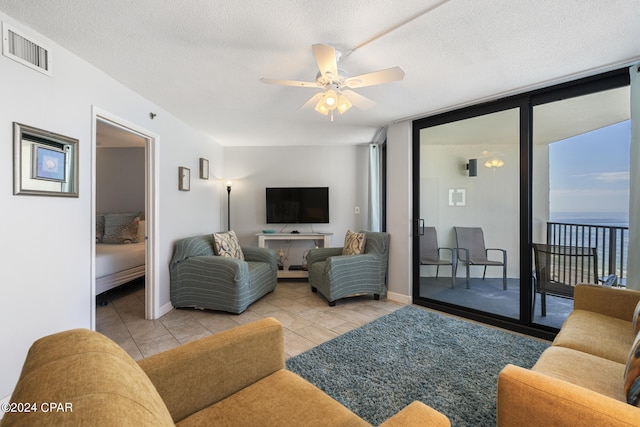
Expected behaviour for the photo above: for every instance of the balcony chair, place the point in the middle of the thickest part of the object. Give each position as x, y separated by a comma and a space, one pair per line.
337, 276
471, 250
558, 269
430, 252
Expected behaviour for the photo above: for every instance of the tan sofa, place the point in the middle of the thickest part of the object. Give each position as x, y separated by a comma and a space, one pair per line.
234, 378
579, 380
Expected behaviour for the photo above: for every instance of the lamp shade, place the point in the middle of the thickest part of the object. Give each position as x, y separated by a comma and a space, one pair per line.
320, 108
343, 104
330, 99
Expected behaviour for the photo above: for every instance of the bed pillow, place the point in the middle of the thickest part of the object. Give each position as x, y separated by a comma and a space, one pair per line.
141, 230
226, 244
121, 228
353, 243
99, 227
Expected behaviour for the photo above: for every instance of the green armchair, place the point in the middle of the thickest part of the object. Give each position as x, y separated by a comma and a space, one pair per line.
201, 279
337, 276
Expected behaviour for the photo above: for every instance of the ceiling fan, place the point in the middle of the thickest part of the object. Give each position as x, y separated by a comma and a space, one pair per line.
337, 93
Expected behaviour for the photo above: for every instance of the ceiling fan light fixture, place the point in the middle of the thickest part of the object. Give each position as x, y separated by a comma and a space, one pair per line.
320, 108
335, 84
330, 99
494, 163
343, 104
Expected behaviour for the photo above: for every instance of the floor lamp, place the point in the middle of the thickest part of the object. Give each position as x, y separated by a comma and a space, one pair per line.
229, 205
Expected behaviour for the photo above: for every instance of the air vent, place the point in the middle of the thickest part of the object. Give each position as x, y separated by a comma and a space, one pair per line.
29, 52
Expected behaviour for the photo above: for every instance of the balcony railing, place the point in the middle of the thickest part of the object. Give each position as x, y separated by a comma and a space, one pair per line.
611, 243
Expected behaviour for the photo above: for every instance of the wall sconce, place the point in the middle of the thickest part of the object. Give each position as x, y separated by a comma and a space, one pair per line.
472, 167
494, 163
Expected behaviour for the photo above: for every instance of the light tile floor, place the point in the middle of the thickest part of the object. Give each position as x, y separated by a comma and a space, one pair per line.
307, 319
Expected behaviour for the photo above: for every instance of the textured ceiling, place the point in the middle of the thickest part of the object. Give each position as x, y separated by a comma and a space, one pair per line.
202, 60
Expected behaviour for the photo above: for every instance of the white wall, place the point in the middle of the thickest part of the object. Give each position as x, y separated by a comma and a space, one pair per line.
344, 169
492, 198
47, 240
120, 179
399, 215
541, 191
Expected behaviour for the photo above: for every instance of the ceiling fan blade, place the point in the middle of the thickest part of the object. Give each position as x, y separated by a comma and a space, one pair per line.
358, 100
295, 83
326, 59
375, 78
312, 101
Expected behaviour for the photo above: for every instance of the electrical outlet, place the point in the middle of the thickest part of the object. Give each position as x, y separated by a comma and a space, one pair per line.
356, 210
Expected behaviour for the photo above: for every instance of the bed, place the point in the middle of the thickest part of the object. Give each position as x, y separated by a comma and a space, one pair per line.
119, 261
118, 264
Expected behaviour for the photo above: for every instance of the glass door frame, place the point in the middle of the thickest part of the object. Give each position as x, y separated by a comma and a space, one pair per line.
525, 102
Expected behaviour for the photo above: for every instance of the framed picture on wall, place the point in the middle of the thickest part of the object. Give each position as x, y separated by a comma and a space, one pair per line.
48, 163
204, 168
44, 163
184, 179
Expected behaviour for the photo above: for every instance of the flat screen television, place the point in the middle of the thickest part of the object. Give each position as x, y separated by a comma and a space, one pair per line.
297, 205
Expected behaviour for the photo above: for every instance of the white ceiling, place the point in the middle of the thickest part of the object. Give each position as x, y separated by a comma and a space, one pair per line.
552, 122
202, 60
109, 135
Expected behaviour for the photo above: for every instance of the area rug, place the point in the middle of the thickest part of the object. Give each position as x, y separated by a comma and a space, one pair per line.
412, 354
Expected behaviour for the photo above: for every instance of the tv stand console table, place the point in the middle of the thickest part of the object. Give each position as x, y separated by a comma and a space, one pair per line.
264, 237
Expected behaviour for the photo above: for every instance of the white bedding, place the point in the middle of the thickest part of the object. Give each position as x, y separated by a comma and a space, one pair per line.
118, 264
111, 259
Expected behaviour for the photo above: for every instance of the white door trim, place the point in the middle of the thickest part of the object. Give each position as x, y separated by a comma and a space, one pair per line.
152, 277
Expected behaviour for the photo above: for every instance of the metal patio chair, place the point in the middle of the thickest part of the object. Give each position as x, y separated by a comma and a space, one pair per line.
430, 252
471, 250
558, 269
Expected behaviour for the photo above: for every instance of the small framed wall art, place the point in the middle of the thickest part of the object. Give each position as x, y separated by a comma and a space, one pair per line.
204, 168
184, 179
44, 163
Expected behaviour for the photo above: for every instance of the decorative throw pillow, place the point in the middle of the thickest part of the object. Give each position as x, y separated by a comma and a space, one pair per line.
121, 228
99, 227
353, 243
226, 244
141, 230
632, 374
636, 319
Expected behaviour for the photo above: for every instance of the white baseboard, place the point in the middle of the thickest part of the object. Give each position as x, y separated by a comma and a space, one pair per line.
404, 299
165, 309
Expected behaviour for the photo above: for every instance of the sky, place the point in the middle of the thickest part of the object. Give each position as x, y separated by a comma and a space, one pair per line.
590, 172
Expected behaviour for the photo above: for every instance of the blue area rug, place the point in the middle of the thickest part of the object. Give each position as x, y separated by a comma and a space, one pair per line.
411, 354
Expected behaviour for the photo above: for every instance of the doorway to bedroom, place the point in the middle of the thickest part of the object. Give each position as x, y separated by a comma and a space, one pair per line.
124, 211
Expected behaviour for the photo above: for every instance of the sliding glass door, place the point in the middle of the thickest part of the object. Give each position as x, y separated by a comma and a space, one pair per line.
493, 180
469, 213
580, 197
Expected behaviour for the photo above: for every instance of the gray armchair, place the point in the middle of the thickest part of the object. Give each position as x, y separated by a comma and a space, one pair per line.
338, 276
201, 279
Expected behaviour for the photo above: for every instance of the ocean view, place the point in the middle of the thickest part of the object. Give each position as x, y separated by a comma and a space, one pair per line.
592, 229
608, 219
